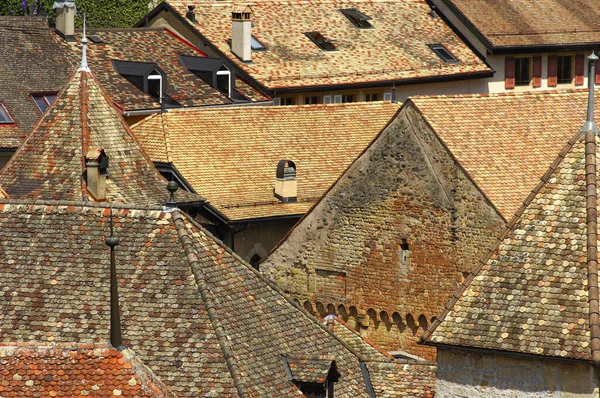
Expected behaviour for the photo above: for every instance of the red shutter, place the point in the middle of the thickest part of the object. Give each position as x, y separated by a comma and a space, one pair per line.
552, 78
509, 73
537, 71
579, 67
597, 74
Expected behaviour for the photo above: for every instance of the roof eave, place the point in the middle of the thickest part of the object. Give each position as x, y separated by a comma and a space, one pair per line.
543, 48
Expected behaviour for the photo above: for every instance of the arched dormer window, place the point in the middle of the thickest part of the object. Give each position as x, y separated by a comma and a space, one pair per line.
146, 76
155, 85
224, 80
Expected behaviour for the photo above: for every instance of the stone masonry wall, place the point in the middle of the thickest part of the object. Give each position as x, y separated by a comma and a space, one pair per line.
389, 244
470, 374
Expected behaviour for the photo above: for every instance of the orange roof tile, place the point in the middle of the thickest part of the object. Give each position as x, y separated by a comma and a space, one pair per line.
505, 142
229, 155
395, 49
512, 23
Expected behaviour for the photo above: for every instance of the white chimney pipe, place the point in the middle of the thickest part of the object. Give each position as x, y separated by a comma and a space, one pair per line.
65, 18
241, 34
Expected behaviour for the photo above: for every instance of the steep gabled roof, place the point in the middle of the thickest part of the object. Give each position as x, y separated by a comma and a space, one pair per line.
230, 155
32, 61
536, 291
396, 49
50, 163
496, 137
194, 313
532, 23
30, 370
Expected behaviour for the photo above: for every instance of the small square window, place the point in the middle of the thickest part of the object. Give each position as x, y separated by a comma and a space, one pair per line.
43, 101
443, 53
321, 41
359, 19
4, 115
256, 45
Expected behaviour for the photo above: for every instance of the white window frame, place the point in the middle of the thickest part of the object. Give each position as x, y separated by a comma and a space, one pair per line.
155, 75
387, 96
327, 99
337, 99
228, 73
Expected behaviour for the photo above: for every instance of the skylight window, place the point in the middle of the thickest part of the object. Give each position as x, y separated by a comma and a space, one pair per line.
443, 53
4, 116
43, 101
95, 39
256, 45
321, 41
359, 19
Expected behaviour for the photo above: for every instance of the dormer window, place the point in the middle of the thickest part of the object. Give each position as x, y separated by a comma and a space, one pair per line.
224, 80
359, 19
443, 53
285, 182
321, 41
212, 71
43, 100
315, 376
4, 115
146, 76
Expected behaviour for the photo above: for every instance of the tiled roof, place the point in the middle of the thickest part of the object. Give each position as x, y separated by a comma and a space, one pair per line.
514, 23
204, 321
406, 379
310, 368
70, 370
230, 155
396, 48
505, 142
534, 292
31, 61
132, 45
367, 349
50, 163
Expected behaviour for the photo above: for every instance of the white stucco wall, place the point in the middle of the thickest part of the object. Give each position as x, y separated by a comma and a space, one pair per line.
470, 374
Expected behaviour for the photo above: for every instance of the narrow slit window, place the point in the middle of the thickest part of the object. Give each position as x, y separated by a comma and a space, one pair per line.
155, 85
404, 252
43, 101
443, 53
321, 41
359, 19
4, 115
256, 45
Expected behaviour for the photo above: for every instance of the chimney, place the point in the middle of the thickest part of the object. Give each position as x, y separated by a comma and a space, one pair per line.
190, 14
589, 124
241, 33
116, 338
285, 182
65, 18
96, 169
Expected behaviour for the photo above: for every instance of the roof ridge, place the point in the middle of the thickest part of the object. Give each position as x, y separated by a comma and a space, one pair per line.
511, 224
145, 374
275, 287
205, 293
85, 131
591, 209
70, 203
167, 135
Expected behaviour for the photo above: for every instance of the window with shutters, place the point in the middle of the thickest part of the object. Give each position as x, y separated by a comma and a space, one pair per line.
522, 71
564, 69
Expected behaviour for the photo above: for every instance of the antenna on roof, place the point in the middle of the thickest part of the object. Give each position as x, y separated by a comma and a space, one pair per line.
115, 314
589, 124
84, 65
394, 93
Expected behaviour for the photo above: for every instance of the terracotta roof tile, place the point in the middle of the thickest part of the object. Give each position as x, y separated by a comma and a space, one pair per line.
505, 142
395, 49
402, 379
201, 319
50, 163
367, 349
310, 369
32, 61
70, 370
515, 23
530, 293
230, 155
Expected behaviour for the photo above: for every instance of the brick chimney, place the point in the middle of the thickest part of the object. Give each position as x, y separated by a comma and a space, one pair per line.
285, 182
241, 33
96, 169
65, 18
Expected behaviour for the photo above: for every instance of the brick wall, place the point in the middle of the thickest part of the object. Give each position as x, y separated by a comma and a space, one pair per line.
404, 225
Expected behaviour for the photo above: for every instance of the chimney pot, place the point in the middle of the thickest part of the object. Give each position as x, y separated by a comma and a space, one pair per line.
65, 18
241, 33
190, 14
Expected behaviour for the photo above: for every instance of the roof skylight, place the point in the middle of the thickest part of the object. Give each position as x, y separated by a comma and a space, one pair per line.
359, 19
443, 53
4, 116
256, 45
321, 41
43, 101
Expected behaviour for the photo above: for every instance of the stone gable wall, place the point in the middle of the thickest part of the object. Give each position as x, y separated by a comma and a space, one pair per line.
405, 189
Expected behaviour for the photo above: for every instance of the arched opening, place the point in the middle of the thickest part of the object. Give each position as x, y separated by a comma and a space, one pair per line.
255, 261
224, 80
155, 85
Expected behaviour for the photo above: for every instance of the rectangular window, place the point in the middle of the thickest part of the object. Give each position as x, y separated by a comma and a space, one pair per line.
43, 101
348, 98
224, 82
287, 101
320, 40
327, 99
372, 97
441, 51
256, 45
311, 100
4, 116
359, 19
564, 69
522, 71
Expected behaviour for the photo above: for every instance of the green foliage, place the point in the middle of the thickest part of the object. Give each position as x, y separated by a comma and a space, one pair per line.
99, 13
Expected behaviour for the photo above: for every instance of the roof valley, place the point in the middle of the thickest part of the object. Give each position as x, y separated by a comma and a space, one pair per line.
205, 293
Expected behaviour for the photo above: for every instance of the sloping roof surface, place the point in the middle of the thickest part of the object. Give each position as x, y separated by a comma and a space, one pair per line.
366, 348
133, 45
205, 322
515, 23
402, 379
505, 142
50, 163
395, 49
31, 61
73, 370
530, 293
230, 155
310, 369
